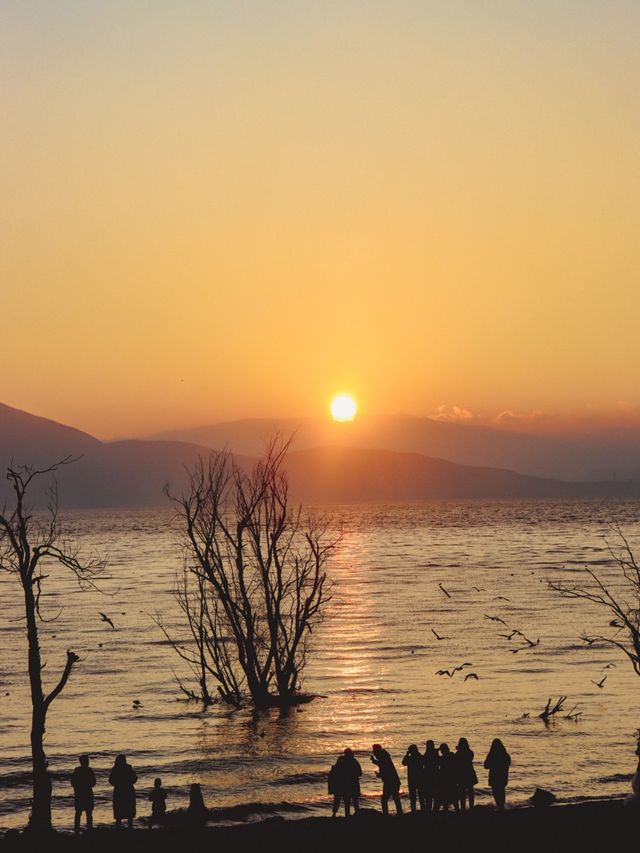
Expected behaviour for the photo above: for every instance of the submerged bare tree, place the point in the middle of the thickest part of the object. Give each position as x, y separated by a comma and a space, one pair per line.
254, 582
29, 547
620, 595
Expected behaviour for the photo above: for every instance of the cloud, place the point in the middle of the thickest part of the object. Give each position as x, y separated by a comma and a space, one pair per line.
509, 417
452, 413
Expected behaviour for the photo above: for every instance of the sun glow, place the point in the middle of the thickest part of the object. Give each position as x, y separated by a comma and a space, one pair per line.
343, 408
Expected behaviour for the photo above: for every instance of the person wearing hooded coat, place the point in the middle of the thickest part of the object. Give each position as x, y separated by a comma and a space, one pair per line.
123, 778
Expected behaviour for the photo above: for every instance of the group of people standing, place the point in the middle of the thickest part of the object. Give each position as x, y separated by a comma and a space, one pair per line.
123, 779
436, 780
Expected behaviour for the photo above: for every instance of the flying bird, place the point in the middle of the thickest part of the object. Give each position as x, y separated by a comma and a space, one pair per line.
495, 619
600, 683
500, 598
471, 675
608, 666
105, 618
437, 636
479, 588
444, 590
452, 672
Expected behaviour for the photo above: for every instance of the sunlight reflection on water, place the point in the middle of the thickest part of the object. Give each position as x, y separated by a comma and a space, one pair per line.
374, 661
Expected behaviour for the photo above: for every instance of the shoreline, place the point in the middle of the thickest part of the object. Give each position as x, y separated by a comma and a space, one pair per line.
594, 825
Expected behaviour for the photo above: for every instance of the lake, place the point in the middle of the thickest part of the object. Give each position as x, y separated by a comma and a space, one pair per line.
373, 662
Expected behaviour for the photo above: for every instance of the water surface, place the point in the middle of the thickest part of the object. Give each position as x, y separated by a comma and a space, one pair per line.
373, 661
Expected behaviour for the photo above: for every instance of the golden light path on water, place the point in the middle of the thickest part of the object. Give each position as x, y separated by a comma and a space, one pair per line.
373, 662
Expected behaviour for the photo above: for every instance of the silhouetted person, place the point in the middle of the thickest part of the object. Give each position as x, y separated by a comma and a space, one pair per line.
158, 797
447, 779
413, 762
83, 781
197, 810
497, 763
123, 779
466, 773
632, 800
337, 786
430, 770
351, 773
390, 779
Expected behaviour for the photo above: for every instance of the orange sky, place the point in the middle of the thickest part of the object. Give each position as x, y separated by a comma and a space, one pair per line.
220, 210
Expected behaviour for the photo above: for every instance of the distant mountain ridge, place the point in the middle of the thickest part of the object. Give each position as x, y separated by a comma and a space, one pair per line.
132, 473
597, 456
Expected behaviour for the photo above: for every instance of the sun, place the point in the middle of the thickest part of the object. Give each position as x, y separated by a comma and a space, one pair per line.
343, 408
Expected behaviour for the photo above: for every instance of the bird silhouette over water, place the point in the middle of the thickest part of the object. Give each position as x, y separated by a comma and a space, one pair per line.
451, 672
105, 618
495, 619
437, 636
479, 588
471, 675
444, 590
600, 683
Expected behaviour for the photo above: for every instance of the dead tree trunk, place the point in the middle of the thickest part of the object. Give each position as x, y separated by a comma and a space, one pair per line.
255, 577
25, 546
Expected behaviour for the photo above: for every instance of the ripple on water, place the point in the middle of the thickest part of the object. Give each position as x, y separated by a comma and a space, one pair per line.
374, 659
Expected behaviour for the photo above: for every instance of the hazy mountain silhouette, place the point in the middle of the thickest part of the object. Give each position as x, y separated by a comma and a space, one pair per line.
349, 475
121, 473
39, 439
598, 455
132, 473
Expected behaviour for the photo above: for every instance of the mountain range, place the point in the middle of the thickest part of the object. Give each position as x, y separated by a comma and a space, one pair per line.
599, 454
133, 472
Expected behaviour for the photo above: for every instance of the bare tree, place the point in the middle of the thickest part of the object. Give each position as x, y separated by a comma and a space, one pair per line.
28, 544
254, 583
620, 596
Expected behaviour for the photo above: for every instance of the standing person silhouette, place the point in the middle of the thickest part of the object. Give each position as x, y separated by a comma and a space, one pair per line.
158, 797
123, 779
351, 773
336, 786
390, 779
83, 781
497, 763
413, 761
430, 770
465, 773
447, 780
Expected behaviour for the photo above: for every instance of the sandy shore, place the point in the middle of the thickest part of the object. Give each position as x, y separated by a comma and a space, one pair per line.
601, 826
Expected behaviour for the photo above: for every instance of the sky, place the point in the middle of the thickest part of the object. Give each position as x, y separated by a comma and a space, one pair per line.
218, 210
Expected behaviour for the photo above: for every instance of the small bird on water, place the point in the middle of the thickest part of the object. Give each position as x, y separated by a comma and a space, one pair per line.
599, 684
